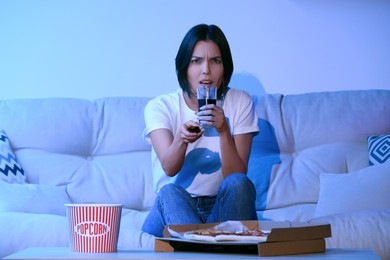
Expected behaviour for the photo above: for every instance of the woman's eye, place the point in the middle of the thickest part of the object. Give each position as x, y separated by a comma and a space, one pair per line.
217, 60
195, 60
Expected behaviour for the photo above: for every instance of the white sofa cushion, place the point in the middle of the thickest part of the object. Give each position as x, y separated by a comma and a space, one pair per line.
10, 169
22, 230
366, 189
314, 133
41, 199
359, 229
95, 148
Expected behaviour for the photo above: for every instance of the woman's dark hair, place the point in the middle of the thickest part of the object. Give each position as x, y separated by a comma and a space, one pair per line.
203, 32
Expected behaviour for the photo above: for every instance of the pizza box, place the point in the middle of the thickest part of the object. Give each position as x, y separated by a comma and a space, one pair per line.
284, 238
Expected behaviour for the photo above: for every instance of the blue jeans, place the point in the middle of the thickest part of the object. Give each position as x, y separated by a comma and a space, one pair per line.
175, 206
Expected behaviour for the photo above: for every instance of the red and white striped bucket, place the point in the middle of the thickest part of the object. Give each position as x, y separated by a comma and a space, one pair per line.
94, 228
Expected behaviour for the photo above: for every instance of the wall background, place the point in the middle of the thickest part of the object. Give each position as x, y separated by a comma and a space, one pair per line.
96, 48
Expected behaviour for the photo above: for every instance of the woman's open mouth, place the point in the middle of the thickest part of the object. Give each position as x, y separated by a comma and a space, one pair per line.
205, 82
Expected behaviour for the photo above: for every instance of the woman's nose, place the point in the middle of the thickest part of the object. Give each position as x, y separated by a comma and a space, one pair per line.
206, 68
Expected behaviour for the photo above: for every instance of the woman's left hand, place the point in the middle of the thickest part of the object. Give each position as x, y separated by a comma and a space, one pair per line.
212, 115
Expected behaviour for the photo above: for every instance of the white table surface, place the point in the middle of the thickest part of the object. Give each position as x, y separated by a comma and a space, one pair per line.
123, 253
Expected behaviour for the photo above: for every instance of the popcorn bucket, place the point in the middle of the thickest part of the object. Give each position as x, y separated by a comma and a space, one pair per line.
94, 228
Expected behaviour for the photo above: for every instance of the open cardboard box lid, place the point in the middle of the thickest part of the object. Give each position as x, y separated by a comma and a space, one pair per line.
285, 238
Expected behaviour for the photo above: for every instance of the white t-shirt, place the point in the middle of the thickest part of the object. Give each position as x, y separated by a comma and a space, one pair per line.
201, 174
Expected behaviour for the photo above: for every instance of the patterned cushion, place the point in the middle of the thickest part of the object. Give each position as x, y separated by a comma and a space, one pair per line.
10, 170
378, 149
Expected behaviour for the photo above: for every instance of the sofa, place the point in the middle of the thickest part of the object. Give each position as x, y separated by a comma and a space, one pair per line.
316, 159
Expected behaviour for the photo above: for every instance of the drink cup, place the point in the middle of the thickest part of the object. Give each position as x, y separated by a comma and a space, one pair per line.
94, 228
206, 95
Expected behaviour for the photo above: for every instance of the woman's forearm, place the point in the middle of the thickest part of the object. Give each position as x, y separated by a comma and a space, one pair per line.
170, 150
235, 153
173, 158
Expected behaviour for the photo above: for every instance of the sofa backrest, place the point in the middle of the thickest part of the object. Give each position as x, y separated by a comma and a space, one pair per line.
94, 148
303, 135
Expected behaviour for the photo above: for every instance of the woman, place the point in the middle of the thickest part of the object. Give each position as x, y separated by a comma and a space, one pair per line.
200, 176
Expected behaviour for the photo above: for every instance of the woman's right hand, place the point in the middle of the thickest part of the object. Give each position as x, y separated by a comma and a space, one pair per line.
191, 131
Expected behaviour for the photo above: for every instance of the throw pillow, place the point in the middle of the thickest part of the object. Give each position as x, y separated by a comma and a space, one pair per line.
378, 149
366, 189
10, 170
33, 198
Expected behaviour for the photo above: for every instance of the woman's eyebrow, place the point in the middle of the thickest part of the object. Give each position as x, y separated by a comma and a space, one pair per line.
211, 58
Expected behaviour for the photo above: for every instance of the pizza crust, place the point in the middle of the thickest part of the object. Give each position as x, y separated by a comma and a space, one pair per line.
240, 238
220, 235
191, 236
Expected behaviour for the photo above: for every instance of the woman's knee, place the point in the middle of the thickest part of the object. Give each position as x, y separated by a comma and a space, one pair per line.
170, 193
169, 189
238, 182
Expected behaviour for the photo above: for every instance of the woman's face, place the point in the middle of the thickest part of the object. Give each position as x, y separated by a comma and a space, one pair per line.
206, 67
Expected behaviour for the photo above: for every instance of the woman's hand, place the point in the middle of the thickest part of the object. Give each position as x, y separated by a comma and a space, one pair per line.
191, 131
212, 115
